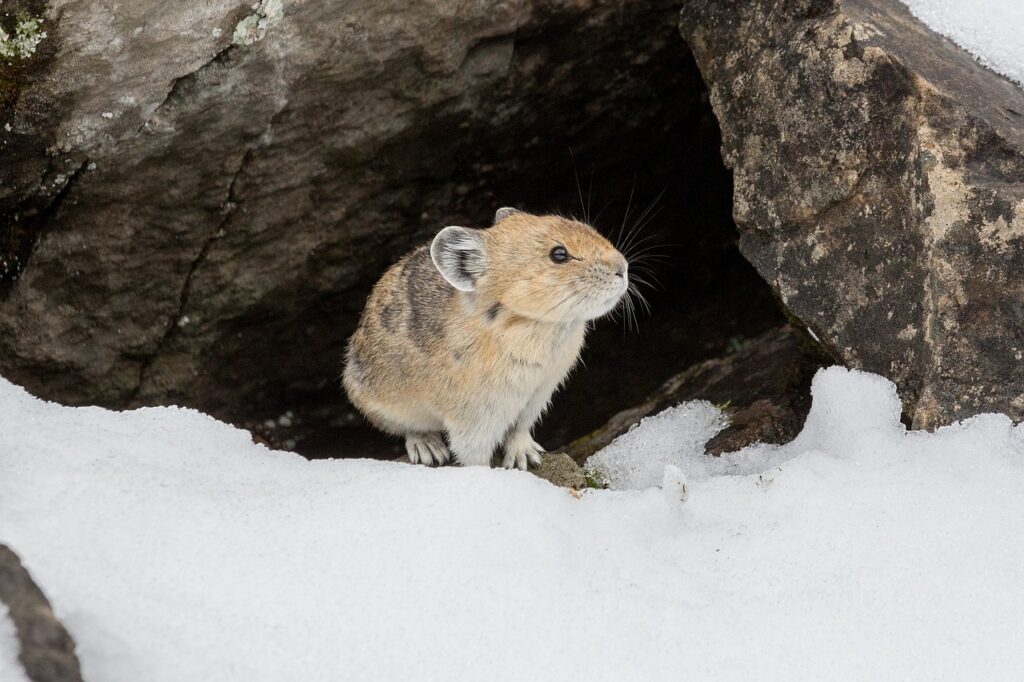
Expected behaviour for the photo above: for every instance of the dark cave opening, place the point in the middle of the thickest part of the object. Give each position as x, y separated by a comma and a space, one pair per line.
651, 156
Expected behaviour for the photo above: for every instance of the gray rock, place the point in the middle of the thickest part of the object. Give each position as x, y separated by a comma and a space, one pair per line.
197, 196
879, 188
47, 650
559, 469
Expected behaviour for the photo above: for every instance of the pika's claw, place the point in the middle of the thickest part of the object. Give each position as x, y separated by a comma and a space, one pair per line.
521, 451
438, 449
426, 448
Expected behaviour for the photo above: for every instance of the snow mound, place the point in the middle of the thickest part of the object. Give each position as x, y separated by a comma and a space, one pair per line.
175, 549
989, 29
852, 412
10, 668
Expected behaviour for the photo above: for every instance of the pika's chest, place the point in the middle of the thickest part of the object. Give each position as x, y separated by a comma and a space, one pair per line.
526, 356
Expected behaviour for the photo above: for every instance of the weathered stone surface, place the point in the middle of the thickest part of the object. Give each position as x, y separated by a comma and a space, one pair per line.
559, 469
197, 221
764, 388
47, 650
879, 188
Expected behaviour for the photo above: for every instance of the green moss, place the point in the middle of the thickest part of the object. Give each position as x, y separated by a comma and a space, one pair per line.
594, 478
735, 344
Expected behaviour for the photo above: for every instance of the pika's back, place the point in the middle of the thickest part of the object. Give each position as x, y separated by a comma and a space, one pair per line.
411, 299
405, 313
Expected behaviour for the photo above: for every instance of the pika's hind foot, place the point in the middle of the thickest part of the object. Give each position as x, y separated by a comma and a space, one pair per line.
426, 448
521, 450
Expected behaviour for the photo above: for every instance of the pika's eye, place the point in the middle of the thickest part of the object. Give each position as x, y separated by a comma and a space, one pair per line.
559, 255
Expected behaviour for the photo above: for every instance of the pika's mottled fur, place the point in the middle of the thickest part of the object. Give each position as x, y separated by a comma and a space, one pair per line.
471, 334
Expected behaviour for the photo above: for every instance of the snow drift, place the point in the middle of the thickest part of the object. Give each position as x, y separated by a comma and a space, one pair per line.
988, 29
175, 549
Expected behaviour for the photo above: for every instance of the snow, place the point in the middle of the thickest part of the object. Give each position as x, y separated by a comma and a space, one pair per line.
676, 436
853, 414
175, 549
989, 29
10, 668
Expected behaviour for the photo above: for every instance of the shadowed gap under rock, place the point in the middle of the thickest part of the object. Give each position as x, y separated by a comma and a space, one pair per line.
665, 173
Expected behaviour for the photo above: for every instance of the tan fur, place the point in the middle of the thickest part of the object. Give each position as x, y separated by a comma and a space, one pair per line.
480, 365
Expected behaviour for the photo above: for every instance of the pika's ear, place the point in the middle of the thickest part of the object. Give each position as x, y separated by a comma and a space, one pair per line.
504, 213
458, 254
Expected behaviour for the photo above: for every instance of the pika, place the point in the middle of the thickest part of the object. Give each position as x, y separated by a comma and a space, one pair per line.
471, 335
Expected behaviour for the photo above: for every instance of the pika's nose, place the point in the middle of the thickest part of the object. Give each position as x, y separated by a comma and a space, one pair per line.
620, 267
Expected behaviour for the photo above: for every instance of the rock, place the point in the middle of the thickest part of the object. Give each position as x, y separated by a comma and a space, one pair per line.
197, 196
762, 421
879, 189
47, 650
764, 388
559, 469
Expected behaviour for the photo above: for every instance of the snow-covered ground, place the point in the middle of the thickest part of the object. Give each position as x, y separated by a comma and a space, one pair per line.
991, 30
175, 549
10, 668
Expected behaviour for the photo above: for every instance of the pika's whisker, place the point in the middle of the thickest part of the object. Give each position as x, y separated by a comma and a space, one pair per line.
590, 189
597, 218
651, 249
585, 207
640, 242
648, 258
643, 220
625, 217
641, 280
641, 298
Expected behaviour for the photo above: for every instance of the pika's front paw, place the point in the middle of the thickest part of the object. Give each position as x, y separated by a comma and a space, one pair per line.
521, 450
426, 448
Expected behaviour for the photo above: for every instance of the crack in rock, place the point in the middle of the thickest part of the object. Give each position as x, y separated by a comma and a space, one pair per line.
174, 323
178, 83
10, 270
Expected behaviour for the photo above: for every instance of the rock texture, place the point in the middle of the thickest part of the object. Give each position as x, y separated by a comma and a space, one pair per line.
764, 389
560, 469
879, 188
196, 196
47, 650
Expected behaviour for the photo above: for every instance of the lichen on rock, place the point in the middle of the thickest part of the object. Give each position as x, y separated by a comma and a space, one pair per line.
25, 39
253, 28
877, 173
